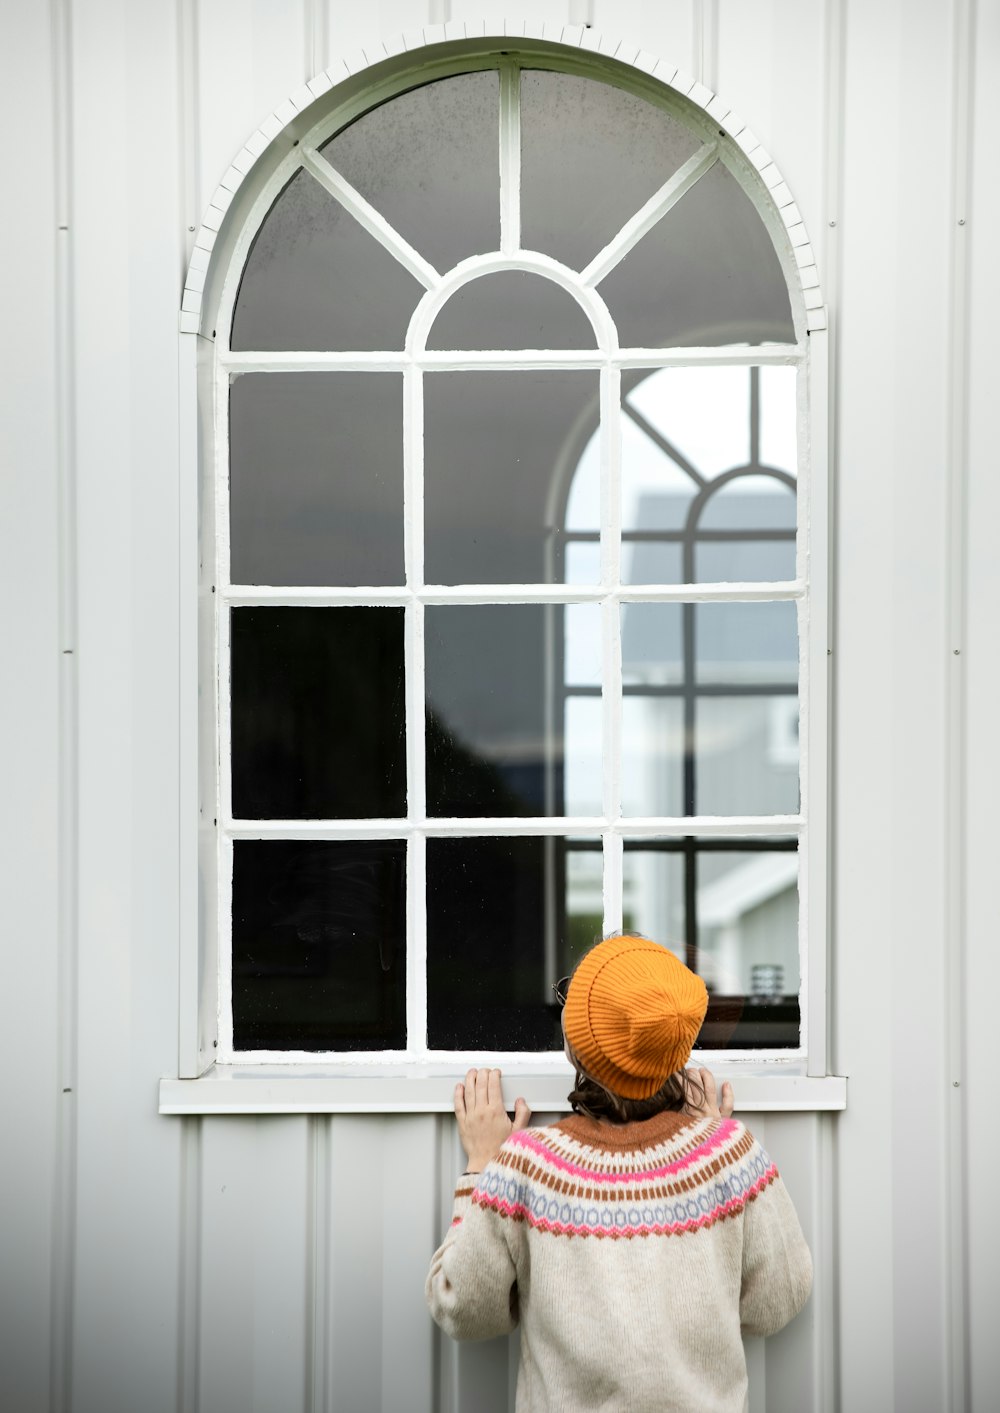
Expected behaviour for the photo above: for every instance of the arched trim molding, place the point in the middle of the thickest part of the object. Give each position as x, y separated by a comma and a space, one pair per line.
282, 132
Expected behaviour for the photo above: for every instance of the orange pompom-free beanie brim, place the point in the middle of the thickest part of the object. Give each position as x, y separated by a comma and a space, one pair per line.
632, 1014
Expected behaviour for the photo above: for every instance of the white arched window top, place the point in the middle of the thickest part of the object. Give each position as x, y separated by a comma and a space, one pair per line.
510, 592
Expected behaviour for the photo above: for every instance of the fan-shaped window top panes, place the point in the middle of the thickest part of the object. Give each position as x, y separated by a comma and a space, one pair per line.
509, 588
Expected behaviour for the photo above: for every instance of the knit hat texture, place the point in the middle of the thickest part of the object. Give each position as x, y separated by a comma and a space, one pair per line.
632, 1014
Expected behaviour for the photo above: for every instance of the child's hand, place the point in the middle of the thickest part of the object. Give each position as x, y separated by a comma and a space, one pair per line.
702, 1095
483, 1124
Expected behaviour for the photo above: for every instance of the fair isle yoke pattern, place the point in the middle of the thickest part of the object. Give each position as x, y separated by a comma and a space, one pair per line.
698, 1174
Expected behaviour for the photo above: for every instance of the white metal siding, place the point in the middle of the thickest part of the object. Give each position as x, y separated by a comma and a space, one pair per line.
277, 1263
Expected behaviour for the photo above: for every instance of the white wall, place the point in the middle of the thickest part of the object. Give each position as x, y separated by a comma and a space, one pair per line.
276, 1263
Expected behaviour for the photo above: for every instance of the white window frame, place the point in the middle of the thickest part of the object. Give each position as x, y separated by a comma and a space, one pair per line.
210, 1078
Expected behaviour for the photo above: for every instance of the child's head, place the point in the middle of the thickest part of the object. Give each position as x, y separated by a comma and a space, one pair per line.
632, 1015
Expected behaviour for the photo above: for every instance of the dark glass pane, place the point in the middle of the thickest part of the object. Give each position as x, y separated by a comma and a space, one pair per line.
315, 279
429, 162
316, 478
591, 155
318, 724
319, 945
738, 903
490, 931
495, 738
705, 274
511, 309
495, 448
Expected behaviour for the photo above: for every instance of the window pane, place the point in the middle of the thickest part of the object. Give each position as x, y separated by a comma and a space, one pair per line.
495, 741
315, 279
511, 309
652, 644
591, 155
744, 644
652, 770
497, 446
738, 902
584, 754
742, 729
316, 478
319, 945
699, 417
501, 919
429, 162
705, 274
318, 725
753, 644
746, 755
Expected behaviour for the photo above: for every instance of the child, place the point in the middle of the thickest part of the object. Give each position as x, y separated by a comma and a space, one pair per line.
639, 1237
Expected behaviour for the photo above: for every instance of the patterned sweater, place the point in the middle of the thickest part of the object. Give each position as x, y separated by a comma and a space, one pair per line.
634, 1256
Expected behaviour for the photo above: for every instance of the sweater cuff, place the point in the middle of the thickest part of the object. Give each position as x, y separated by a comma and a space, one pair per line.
464, 1189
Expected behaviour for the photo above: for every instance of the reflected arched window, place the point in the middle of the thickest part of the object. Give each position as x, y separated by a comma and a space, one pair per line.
509, 569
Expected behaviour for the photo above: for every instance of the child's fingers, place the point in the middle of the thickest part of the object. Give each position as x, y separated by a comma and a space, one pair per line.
522, 1114
482, 1088
708, 1083
728, 1100
494, 1089
459, 1100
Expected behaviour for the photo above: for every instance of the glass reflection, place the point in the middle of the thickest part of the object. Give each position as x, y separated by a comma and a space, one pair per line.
710, 712
497, 449
318, 725
319, 945
729, 908
316, 478
506, 917
699, 500
496, 743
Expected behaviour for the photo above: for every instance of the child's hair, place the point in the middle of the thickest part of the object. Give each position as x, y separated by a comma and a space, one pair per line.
592, 1099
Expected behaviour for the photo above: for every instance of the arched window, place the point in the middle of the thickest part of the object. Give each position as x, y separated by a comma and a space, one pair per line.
511, 586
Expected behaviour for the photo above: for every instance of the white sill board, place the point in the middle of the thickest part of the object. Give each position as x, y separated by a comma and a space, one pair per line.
325, 1089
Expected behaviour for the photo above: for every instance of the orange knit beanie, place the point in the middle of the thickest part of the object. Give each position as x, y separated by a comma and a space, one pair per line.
632, 1014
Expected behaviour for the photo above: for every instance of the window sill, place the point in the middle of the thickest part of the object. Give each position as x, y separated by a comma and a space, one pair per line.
328, 1089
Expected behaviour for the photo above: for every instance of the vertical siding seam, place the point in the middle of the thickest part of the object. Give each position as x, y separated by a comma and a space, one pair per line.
834, 101
189, 147
64, 1189
955, 1254
189, 1262
318, 1267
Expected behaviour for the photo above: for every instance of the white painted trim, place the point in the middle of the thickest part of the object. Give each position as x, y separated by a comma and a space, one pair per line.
754, 592
351, 1089
387, 361
662, 827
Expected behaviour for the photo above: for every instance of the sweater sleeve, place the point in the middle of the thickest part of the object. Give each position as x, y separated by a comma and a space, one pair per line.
777, 1266
472, 1285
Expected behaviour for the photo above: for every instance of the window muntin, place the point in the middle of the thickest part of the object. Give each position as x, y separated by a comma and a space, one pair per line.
593, 562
